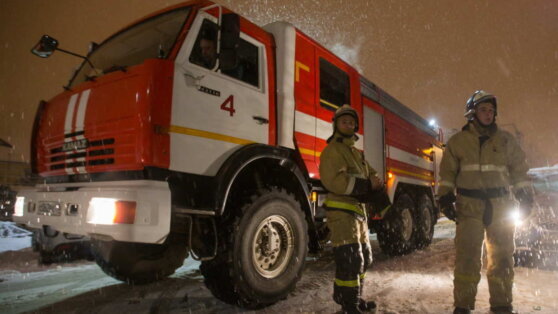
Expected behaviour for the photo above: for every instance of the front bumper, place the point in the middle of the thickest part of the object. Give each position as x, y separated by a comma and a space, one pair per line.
73, 209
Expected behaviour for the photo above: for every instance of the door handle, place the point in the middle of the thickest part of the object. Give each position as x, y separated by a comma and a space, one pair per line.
260, 120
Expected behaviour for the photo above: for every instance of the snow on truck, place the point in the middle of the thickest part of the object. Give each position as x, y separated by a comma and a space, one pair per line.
155, 153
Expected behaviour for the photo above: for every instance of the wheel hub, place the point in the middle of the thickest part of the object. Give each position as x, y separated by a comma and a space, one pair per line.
427, 219
272, 246
407, 221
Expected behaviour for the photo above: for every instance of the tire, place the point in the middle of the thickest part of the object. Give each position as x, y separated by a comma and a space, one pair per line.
396, 232
262, 250
425, 222
140, 263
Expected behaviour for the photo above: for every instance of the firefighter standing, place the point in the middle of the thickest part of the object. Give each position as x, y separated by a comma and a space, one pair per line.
480, 163
348, 179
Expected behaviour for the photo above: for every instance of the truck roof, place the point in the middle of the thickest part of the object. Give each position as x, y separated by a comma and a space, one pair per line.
372, 91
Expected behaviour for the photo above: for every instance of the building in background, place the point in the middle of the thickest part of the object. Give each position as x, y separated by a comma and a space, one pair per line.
13, 175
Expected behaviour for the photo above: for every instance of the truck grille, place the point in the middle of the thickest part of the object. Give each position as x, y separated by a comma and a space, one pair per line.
95, 149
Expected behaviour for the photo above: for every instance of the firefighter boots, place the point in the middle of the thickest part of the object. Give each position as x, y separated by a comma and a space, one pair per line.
503, 310
367, 306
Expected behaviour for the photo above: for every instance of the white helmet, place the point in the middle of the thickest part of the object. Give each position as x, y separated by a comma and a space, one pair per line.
477, 98
345, 110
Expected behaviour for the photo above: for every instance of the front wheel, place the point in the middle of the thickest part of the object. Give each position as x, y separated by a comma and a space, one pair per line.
396, 232
262, 251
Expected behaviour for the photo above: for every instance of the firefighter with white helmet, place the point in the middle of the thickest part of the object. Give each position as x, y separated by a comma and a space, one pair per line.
480, 164
349, 180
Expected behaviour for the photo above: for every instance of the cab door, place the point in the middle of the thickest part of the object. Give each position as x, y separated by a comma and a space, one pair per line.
215, 112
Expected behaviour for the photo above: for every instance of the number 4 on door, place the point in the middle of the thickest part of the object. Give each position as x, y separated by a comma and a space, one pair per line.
228, 105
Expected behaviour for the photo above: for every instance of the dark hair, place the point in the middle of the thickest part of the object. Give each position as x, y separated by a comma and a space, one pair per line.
208, 33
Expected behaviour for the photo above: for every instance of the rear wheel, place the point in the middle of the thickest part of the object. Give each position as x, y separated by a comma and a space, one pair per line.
396, 231
425, 222
140, 263
261, 253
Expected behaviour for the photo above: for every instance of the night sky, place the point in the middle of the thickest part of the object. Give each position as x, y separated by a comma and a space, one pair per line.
430, 55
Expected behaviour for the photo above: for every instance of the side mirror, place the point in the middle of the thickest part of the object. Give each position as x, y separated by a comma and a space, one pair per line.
45, 47
230, 38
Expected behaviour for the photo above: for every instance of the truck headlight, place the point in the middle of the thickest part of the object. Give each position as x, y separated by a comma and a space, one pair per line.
19, 204
109, 211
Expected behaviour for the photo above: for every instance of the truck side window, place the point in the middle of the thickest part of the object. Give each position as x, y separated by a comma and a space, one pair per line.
205, 54
205, 49
334, 86
247, 67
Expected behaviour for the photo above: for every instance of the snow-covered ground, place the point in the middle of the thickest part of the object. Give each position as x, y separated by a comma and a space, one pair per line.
13, 238
420, 282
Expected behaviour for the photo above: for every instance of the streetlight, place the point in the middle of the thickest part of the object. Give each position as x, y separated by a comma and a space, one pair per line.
433, 124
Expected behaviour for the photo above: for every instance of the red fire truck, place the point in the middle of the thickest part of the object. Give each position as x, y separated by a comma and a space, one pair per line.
195, 131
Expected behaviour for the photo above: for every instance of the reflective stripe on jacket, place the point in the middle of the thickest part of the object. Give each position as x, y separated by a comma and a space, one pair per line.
341, 167
498, 163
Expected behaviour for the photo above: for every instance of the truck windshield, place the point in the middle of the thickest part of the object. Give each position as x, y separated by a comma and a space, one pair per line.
152, 38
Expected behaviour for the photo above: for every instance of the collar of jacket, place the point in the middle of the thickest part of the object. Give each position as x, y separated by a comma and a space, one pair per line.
349, 141
475, 128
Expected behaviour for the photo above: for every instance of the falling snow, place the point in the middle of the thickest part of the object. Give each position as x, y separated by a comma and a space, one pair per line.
429, 57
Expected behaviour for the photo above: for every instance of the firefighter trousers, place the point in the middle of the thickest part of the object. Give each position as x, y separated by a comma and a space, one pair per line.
498, 237
352, 252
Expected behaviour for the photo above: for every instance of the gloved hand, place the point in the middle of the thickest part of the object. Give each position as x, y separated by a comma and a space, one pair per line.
376, 202
377, 183
526, 202
446, 205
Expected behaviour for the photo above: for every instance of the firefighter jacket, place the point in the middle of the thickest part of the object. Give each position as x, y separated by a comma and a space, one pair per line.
498, 163
345, 174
